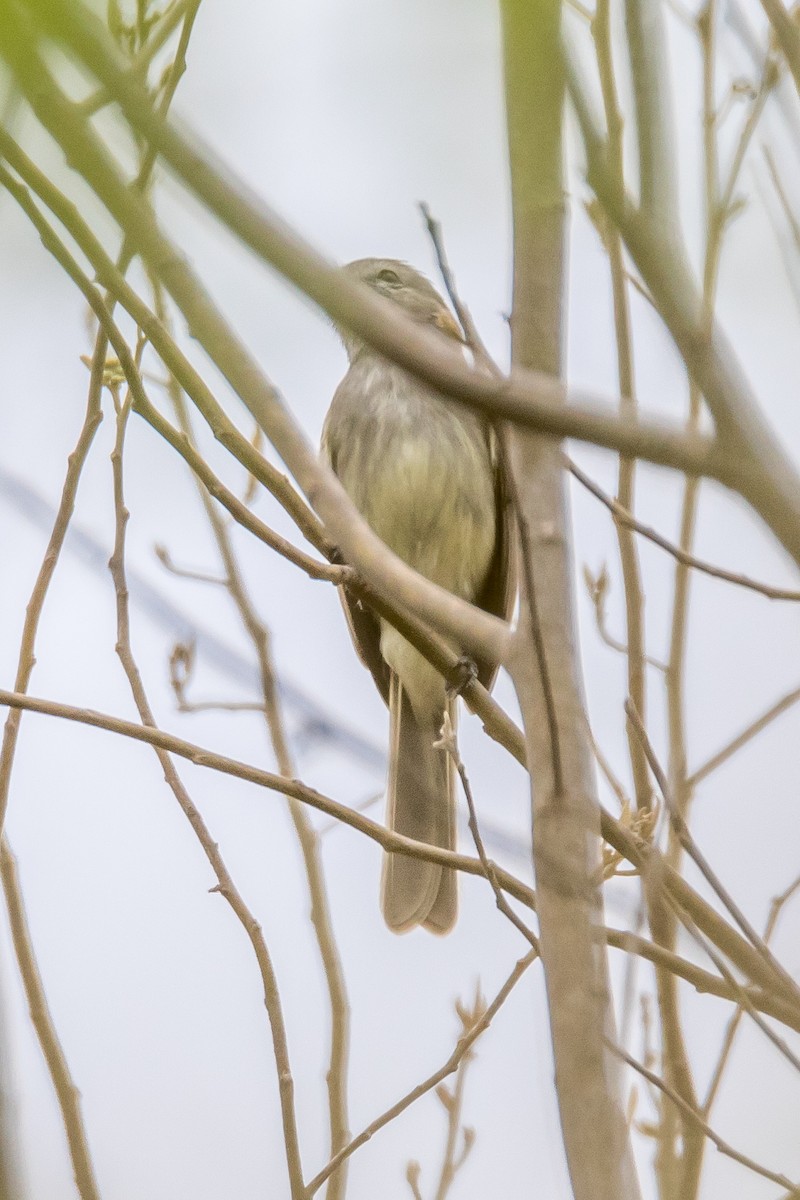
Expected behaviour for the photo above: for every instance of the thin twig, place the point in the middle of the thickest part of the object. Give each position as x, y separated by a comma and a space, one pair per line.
33, 612
689, 844
165, 558
629, 559
231, 706
776, 908
533, 615
695, 1117
447, 742
471, 334
307, 837
625, 518
140, 63
597, 588
794, 224
453, 1159
69, 1098
623, 839
741, 739
225, 885
463, 1047
65, 1088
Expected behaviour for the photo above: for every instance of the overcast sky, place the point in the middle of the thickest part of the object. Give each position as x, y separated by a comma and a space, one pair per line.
343, 116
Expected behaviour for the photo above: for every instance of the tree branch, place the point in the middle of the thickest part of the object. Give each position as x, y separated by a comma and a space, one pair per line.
545, 664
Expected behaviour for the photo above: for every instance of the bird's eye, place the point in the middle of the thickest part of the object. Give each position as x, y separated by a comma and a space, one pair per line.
388, 276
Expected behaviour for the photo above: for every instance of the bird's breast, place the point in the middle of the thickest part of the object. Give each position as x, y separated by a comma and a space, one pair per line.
421, 474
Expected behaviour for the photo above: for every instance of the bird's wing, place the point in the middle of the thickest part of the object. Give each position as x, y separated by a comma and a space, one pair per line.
365, 629
499, 589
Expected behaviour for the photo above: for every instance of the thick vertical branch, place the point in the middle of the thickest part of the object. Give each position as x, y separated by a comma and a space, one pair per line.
544, 662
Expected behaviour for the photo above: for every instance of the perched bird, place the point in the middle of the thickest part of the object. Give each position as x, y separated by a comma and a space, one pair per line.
424, 475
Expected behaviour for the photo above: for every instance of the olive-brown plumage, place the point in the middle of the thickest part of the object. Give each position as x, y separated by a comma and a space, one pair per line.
424, 475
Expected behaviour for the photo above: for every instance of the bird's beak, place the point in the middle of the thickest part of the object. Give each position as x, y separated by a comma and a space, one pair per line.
446, 322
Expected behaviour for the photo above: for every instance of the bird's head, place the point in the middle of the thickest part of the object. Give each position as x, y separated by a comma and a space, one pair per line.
404, 285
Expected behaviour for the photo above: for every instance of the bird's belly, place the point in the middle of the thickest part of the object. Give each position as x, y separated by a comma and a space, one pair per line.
431, 499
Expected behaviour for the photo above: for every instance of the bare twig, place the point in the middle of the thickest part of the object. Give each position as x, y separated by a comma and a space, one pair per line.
412, 1179
696, 1118
65, 1088
471, 334
307, 837
597, 588
733, 945
33, 612
531, 600
465, 1044
689, 844
755, 727
524, 397
776, 908
448, 744
165, 558
629, 559
788, 211
68, 1096
453, 1101
225, 885
623, 517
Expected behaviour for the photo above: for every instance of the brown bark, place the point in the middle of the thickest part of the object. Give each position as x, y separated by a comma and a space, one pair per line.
545, 663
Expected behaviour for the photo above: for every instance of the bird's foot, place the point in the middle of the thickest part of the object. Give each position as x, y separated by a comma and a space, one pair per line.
461, 676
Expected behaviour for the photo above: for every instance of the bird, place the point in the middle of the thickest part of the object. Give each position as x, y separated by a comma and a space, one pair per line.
425, 475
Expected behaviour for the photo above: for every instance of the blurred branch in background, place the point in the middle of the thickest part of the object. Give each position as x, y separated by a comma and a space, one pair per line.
67, 1093
11, 1178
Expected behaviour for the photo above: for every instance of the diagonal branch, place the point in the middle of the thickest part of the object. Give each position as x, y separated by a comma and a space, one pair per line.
463, 1047
475, 630
623, 517
765, 476
696, 1118
526, 397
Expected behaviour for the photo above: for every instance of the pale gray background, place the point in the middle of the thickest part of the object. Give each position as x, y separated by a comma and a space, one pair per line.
344, 115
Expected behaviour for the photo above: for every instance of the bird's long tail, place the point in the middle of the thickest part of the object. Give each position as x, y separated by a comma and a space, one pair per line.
421, 804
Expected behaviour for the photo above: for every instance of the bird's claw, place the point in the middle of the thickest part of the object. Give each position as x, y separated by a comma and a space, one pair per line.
461, 676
